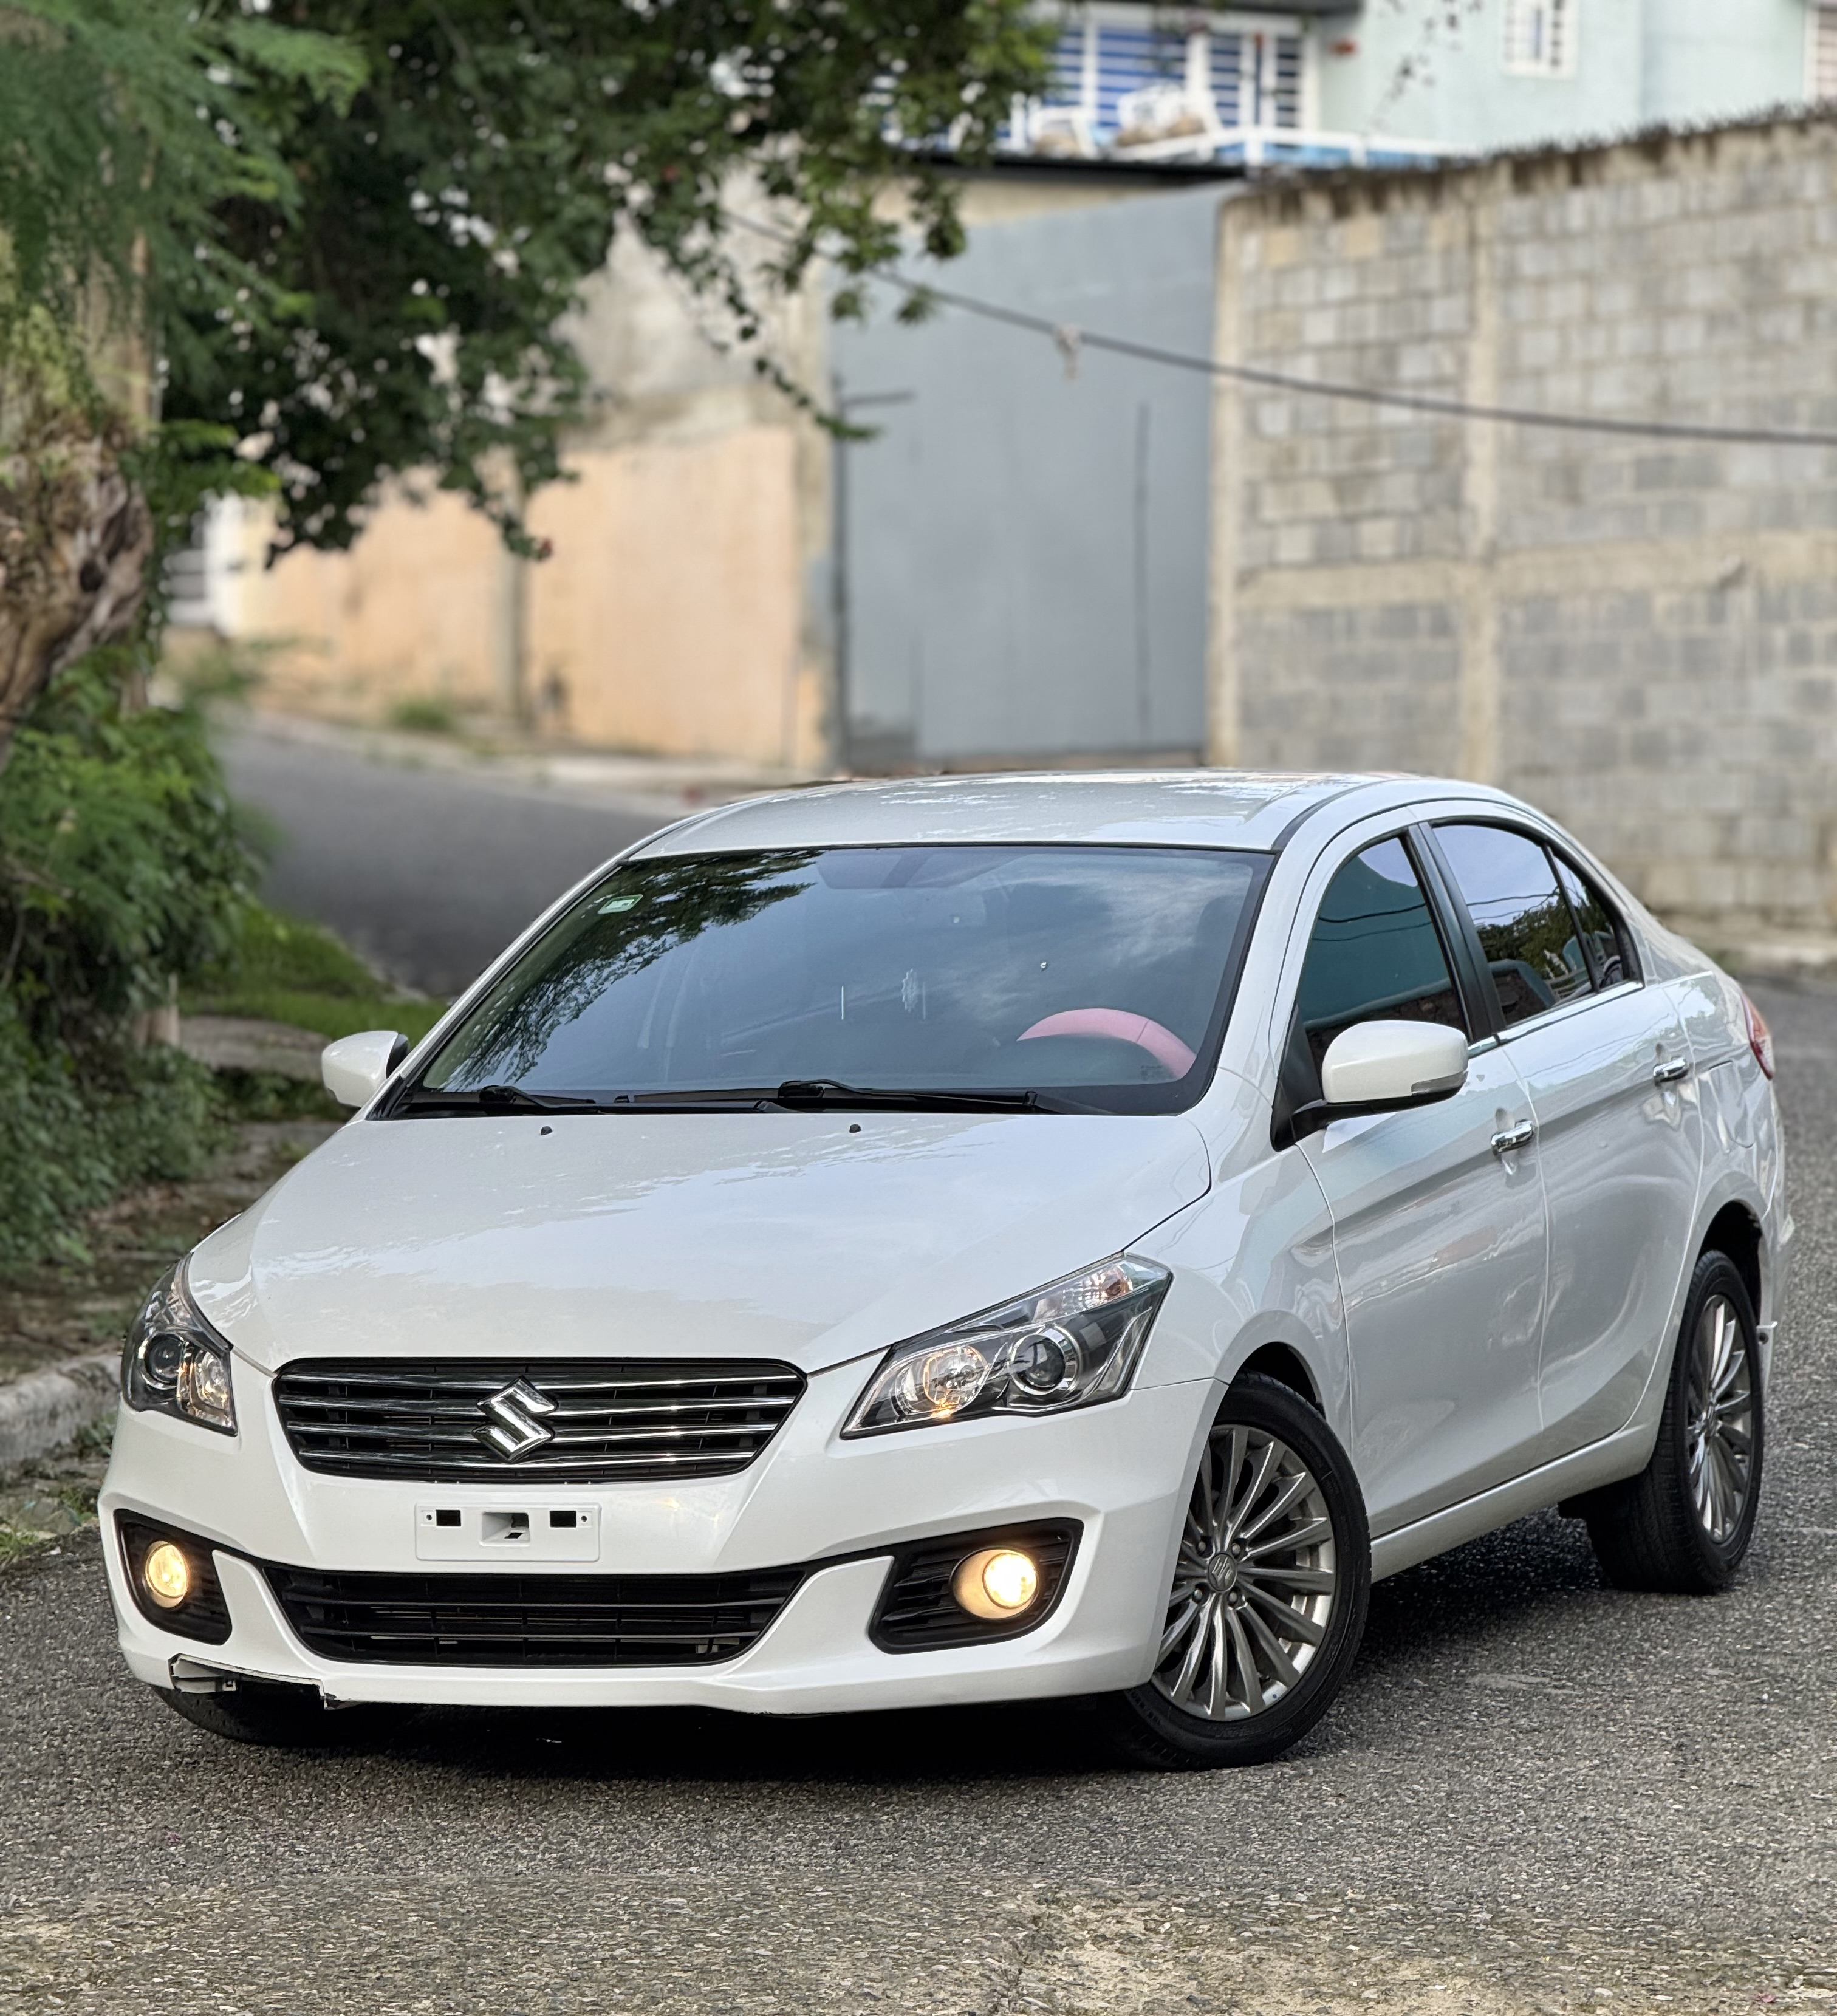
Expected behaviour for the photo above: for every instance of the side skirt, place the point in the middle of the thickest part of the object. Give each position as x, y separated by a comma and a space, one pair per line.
1623, 1454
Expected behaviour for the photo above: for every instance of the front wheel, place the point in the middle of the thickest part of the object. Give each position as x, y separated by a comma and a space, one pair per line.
1269, 1591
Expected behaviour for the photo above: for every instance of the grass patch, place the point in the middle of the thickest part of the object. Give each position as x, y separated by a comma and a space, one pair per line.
284, 970
425, 714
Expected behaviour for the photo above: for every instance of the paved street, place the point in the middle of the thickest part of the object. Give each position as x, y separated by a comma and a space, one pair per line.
428, 872
1536, 1795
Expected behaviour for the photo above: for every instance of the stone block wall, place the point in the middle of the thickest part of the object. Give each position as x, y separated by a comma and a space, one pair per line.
1639, 634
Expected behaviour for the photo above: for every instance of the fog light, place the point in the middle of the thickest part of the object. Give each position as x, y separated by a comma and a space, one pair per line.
166, 1575
996, 1583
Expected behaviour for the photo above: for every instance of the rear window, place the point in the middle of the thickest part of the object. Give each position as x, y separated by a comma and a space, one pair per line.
1105, 972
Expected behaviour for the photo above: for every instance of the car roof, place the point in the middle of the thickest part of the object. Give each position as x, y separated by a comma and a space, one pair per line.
1238, 808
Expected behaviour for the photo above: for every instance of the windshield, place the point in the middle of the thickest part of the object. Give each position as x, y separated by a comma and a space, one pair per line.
1105, 972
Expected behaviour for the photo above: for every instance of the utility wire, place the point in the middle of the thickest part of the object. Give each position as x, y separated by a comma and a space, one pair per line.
1070, 339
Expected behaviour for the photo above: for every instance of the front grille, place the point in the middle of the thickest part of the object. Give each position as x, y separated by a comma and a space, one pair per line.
525, 1620
592, 1422
917, 1612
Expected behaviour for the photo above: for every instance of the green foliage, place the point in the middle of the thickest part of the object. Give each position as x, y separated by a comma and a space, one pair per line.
120, 868
281, 970
424, 713
121, 864
78, 1126
352, 229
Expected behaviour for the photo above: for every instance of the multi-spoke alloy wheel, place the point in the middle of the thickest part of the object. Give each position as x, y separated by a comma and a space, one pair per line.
1719, 1418
1254, 1587
1684, 1522
1271, 1581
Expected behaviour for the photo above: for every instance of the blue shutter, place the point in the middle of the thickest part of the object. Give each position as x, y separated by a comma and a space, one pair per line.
1285, 110
1227, 68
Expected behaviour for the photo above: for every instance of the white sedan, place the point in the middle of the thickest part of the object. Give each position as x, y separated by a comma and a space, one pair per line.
970, 1239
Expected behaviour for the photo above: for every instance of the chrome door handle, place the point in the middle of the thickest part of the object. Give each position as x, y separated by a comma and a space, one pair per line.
1671, 1071
1509, 1137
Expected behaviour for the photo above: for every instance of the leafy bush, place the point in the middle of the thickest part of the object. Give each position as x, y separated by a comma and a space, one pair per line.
122, 867
121, 871
78, 1127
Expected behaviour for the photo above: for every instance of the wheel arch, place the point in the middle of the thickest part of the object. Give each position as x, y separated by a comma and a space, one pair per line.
1735, 1231
1287, 1366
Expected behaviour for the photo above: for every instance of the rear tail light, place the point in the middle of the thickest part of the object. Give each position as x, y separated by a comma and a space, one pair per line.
1759, 1036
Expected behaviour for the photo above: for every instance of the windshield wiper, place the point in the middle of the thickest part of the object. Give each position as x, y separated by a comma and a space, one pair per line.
831, 1091
492, 1099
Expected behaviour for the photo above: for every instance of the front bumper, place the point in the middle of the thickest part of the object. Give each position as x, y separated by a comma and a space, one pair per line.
1121, 1470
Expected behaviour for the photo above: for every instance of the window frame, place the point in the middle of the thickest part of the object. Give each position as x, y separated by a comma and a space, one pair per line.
1298, 1076
1515, 64
1487, 992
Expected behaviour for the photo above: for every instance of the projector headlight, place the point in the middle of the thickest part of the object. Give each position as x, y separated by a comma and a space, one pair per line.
1071, 1345
175, 1364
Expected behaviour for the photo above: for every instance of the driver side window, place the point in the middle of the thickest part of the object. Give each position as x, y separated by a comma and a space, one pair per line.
1374, 954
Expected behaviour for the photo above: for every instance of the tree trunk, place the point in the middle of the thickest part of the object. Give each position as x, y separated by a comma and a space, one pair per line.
76, 538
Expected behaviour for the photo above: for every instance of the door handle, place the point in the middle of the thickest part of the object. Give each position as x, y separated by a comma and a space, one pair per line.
1509, 1138
1669, 1072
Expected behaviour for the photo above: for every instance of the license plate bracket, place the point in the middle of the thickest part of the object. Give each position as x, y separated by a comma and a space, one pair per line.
457, 1532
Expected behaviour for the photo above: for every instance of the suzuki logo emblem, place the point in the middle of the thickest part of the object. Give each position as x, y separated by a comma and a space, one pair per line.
513, 1430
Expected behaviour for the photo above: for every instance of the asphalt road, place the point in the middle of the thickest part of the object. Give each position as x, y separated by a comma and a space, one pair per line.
429, 873
1536, 1795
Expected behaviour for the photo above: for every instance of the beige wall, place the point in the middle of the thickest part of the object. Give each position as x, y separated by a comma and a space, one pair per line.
669, 616
683, 611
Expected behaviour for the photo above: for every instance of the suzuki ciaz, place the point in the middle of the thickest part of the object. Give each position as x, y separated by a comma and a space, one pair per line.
969, 1239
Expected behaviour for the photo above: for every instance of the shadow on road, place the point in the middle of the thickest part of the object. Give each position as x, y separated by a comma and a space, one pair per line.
1465, 1609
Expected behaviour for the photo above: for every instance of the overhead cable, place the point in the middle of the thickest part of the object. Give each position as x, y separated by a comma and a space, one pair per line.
1070, 340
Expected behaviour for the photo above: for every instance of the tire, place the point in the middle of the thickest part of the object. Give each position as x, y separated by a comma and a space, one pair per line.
279, 1717
1683, 1525
1199, 1710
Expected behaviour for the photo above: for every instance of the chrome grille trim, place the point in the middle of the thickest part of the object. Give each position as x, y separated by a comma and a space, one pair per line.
613, 1421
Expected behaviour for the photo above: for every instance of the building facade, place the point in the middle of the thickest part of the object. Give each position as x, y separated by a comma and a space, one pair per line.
1331, 81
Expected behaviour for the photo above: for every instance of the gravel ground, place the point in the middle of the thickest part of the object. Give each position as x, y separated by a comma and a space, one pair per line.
1536, 1795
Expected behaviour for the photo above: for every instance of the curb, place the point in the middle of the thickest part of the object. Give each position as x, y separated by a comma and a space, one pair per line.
47, 1408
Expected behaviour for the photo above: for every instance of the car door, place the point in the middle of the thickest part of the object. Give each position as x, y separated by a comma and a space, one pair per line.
1438, 1213
1606, 1064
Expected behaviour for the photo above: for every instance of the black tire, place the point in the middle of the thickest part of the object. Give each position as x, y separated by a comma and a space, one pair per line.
1649, 1533
1145, 1724
279, 1717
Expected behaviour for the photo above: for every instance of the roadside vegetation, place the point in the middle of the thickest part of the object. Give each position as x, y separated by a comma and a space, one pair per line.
281, 969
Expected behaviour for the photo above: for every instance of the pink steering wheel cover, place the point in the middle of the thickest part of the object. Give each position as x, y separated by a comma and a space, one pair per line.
1162, 1044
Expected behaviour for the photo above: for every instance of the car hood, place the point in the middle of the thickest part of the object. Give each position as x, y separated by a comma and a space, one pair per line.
808, 1237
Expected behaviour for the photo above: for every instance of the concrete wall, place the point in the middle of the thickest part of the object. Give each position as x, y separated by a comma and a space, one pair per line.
1639, 635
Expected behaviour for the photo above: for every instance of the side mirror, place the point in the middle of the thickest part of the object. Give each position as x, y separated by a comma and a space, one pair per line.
355, 1068
1376, 1067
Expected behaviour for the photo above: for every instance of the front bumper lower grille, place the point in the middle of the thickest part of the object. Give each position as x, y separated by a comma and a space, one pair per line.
546, 1620
465, 1419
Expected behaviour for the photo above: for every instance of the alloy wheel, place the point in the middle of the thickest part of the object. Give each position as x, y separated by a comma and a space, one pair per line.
1255, 1583
1719, 1432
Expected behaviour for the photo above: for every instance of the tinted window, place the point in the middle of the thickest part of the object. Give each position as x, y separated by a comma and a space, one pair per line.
1529, 937
1374, 954
929, 968
1601, 939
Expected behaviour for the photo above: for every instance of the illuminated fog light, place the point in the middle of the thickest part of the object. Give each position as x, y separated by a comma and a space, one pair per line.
166, 1575
998, 1582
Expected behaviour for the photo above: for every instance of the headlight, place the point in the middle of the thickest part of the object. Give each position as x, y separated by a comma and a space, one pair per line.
1067, 1345
175, 1364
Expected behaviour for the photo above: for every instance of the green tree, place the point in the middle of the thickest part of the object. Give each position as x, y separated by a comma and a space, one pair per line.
342, 236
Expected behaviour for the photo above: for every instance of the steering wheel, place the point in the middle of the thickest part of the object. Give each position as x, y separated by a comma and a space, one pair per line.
1118, 1024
